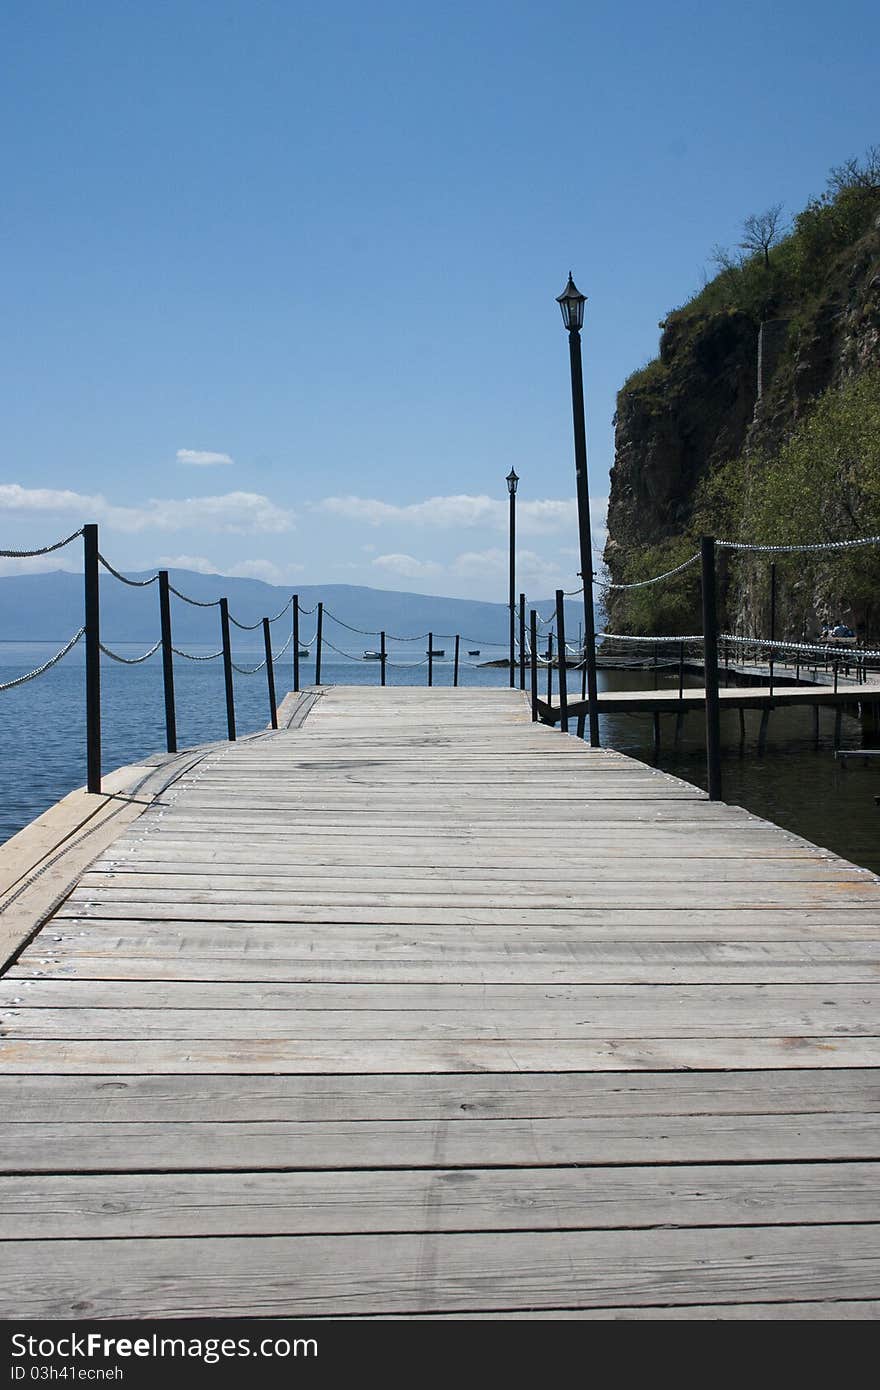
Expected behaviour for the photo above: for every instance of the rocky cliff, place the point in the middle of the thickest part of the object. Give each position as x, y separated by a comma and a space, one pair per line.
740, 368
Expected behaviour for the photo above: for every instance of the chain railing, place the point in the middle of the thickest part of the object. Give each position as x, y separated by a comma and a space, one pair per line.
95, 647
560, 656
47, 665
314, 647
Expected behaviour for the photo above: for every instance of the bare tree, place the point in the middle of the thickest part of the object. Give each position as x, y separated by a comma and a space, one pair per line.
762, 230
856, 173
725, 260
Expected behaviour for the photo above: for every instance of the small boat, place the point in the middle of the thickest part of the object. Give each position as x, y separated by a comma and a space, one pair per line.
372, 656
304, 651
436, 651
473, 651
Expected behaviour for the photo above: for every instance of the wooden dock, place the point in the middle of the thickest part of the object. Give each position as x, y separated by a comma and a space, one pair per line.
418, 1009
669, 701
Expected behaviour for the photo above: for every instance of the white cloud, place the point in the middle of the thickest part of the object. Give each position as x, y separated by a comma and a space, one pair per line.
241, 512
534, 517
202, 458
407, 566
263, 569
487, 571
480, 564
198, 563
533, 572
69, 559
241, 569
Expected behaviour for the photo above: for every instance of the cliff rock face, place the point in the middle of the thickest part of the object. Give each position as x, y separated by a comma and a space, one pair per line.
698, 404
674, 425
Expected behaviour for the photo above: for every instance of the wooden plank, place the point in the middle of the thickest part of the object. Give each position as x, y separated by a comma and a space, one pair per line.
112, 1206
293, 1010
366, 1056
126, 1146
658, 922
449, 814
611, 895
488, 967
238, 874
836, 1310
296, 1275
410, 848
652, 1011
342, 931
220, 1098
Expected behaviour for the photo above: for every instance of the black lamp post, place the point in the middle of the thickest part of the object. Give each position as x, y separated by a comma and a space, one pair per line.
572, 302
512, 481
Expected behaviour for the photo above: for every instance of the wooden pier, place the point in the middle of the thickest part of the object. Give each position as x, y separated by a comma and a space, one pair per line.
416, 1008
761, 697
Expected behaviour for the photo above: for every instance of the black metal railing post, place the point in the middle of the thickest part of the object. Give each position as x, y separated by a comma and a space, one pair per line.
227, 669
533, 661
455, 661
319, 640
549, 667
270, 674
93, 658
296, 642
563, 670
383, 657
582, 718
522, 641
430, 658
167, 662
772, 620
710, 665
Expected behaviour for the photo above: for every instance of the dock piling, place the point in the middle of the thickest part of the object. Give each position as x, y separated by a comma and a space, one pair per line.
167, 662
533, 661
522, 641
296, 642
563, 672
319, 640
93, 658
710, 663
227, 669
270, 674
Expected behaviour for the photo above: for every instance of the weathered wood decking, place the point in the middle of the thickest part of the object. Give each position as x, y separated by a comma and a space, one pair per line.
669, 701
420, 1009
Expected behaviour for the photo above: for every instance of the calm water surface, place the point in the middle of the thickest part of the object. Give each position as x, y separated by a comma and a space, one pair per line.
42, 736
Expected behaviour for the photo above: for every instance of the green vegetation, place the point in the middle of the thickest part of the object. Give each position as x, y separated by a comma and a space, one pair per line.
822, 484
666, 607
787, 269
809, 468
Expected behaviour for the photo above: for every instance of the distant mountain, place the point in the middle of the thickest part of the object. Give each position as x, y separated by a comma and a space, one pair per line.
49, 607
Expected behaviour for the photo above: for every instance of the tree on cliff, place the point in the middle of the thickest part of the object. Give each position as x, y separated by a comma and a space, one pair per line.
856, 173
761, 231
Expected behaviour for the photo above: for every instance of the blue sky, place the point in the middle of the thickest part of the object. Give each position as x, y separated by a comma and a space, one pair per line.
278, 280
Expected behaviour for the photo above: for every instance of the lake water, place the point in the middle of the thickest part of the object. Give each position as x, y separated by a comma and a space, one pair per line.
42, 735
